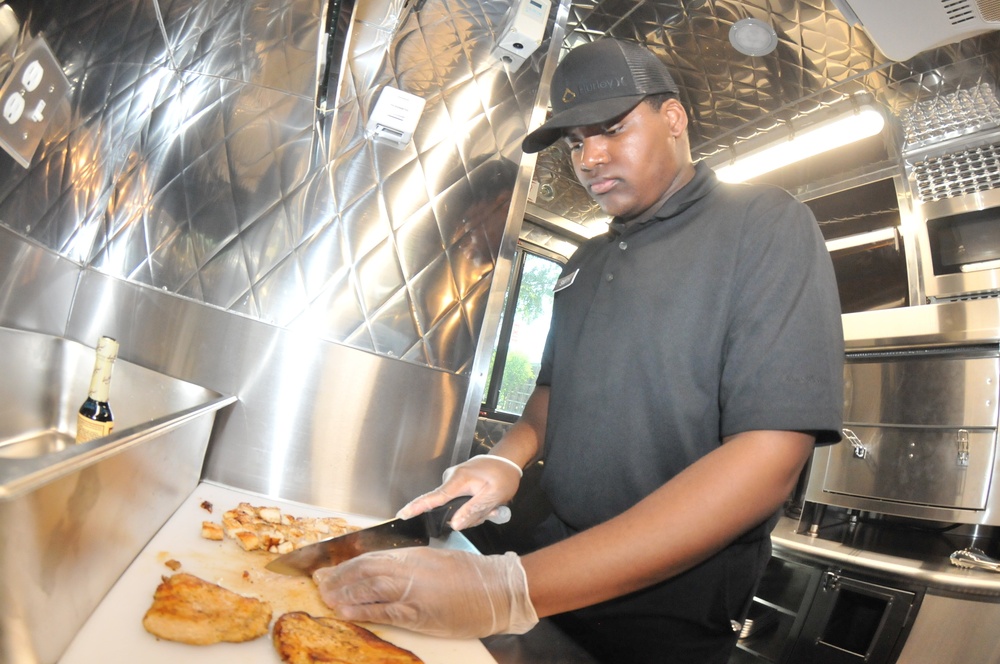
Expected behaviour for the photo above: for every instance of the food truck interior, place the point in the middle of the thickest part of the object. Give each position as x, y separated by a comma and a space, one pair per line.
310, 227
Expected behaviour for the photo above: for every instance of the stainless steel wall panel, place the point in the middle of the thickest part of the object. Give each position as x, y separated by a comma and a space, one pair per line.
192, 159
230, 234
271, 44
316, 421
36, 285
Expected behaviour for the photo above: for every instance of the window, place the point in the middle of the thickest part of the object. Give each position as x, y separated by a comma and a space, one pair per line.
524, 325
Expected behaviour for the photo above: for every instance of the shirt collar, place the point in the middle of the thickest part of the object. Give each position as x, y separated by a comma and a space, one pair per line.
703, 182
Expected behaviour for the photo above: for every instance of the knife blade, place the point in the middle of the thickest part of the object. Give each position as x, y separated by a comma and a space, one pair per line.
391, 534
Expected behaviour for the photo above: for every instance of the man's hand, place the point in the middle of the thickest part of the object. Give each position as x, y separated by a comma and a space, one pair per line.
491, 480
447, 593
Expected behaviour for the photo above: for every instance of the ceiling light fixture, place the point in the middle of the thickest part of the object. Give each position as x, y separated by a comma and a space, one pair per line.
751, 36
838, 127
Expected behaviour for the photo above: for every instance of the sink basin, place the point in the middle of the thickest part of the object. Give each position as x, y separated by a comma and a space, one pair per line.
33, 444
46, 378
75, 515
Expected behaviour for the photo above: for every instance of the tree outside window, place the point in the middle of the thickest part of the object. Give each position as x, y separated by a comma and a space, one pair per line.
524, 326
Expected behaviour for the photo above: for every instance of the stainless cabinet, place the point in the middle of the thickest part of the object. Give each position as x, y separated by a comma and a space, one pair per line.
809, 613
851, 621
777, 613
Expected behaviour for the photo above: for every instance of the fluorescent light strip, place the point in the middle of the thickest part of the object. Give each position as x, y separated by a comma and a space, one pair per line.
833, 133
861, 239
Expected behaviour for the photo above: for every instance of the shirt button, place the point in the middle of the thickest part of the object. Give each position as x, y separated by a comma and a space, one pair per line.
610, 277
623, 245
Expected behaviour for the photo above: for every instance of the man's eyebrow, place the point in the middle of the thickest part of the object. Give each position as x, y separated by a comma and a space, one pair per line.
601, 126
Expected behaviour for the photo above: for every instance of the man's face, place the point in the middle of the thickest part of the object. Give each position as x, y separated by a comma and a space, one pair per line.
628, 164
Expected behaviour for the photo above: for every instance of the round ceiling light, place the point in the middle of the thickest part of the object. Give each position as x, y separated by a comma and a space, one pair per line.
751, 36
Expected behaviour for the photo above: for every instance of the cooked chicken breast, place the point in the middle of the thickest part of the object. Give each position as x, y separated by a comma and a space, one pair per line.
301, 638
211, 531
191, 610
267, 529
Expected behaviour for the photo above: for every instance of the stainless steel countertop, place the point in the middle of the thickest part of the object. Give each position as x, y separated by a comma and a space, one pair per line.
920, 558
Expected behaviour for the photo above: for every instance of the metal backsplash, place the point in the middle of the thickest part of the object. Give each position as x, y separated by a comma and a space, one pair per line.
190, 157
191, 199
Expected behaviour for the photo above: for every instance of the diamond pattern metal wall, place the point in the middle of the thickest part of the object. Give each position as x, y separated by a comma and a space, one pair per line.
819, 60
191, 158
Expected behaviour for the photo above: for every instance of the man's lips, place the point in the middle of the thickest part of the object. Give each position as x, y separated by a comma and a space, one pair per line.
601, 185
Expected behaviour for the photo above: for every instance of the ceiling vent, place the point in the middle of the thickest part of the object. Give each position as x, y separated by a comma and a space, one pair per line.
928, 23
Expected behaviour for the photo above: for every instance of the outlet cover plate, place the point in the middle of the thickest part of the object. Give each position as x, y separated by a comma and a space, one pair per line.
29, 98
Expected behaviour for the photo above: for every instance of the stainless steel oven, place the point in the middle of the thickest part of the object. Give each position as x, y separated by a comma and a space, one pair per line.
921, 409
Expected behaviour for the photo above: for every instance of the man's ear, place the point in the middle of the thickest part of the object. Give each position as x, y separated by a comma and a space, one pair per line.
676, 115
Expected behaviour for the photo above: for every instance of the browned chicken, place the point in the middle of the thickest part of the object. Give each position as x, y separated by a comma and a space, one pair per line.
301, 638
191, 610
268, 529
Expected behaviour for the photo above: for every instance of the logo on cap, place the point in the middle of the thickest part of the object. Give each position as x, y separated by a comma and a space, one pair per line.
568, 96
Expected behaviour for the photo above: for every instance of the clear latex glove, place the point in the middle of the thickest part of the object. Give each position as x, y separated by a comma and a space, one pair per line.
490, 480
441, 592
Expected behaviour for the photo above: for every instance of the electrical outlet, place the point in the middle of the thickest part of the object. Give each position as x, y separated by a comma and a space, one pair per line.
32, 76
13, 108
28, 98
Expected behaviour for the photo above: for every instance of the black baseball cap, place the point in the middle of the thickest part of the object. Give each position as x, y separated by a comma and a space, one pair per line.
597, 82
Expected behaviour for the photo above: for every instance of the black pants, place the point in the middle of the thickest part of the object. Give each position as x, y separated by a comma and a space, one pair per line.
635, 639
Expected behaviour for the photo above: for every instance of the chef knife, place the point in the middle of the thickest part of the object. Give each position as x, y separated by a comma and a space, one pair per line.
392, 534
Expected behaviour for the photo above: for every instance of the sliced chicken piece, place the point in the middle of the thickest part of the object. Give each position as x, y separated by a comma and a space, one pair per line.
191, 610
301, 638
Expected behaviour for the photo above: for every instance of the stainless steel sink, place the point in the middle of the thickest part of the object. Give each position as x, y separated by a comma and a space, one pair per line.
35, 443
45, 379
74, 516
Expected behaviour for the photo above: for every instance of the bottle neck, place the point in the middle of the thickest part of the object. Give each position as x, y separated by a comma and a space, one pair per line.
100, 381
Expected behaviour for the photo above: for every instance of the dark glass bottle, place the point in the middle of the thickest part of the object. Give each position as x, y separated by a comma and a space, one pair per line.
95, 418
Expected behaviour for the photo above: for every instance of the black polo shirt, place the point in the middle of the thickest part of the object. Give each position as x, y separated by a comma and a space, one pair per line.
719, 315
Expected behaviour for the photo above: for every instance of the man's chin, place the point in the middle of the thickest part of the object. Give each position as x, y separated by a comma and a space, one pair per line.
617, 211
607, 206
615, 205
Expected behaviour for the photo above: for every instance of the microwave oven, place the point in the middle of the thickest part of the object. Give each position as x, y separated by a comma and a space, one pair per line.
959, 246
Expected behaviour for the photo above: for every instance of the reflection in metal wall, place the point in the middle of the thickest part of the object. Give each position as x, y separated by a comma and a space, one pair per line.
191, 200
191, 158
819, 60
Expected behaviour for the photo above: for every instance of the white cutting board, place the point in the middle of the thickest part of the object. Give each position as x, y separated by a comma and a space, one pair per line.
114, 633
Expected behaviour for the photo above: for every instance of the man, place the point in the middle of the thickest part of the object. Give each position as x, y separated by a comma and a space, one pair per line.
694, 358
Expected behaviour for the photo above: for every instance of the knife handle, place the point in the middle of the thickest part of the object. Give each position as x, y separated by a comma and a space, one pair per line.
437, 519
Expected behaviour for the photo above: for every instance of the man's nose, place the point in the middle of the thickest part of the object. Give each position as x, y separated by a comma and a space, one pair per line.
593, 151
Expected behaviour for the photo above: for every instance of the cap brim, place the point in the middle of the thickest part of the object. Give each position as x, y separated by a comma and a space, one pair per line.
581, 115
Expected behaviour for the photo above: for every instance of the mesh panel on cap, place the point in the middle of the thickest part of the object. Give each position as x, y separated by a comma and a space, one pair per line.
647, 78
